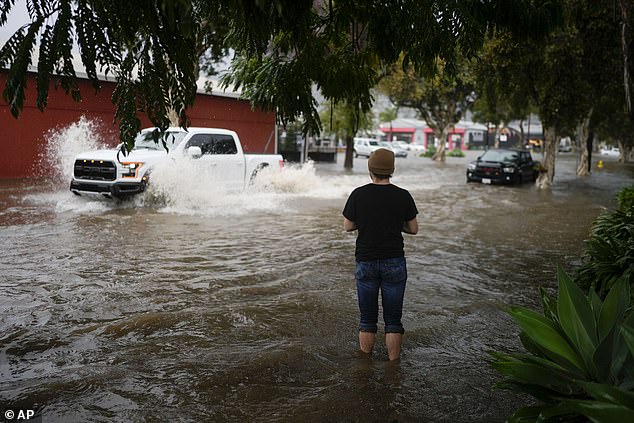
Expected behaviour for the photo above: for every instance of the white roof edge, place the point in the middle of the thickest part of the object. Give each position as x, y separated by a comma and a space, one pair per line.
200, 83
194, 129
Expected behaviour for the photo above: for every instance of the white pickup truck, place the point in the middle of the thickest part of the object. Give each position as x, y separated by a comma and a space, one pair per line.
110, 173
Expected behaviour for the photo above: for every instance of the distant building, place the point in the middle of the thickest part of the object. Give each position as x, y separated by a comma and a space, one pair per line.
415, 131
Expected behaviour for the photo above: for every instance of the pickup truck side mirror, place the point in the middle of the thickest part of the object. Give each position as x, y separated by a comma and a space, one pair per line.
194, 152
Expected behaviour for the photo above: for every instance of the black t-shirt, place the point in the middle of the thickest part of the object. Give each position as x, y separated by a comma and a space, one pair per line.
379, 212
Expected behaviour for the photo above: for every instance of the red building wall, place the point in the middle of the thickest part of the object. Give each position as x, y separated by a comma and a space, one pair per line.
24, 138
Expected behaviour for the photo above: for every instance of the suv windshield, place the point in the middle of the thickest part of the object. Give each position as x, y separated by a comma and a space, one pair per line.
499, 156
145, 140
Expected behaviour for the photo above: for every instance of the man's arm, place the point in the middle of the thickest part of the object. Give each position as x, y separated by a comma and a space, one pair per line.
410, 227
349, 225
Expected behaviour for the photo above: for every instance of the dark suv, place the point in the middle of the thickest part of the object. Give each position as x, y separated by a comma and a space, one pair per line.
503, 166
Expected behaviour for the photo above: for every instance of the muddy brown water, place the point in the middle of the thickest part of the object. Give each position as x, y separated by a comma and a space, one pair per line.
197, 306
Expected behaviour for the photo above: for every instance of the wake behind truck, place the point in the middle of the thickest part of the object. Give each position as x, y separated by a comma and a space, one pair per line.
111, 174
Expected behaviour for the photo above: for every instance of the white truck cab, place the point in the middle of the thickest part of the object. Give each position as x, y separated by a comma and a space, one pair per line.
110, 173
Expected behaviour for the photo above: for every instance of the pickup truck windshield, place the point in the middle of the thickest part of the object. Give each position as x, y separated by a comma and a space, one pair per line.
499, 156
145, 140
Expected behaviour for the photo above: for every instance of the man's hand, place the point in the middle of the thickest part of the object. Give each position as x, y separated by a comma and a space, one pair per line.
349, 225
410, 227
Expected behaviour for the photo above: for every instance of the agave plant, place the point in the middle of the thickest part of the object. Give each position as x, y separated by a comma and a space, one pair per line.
579, 363
610, 249
609, 252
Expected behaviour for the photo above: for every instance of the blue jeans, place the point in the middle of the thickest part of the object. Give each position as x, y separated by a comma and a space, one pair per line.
389, 277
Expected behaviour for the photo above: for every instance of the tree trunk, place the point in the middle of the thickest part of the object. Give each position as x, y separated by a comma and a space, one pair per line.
625, 43
545, 179
347, 163
590, 147
628, 153
585, 139
440, 155
622, 151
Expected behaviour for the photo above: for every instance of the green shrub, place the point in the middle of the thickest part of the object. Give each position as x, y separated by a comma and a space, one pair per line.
456, 152
609, 252
625, 197
431, 150
579, 363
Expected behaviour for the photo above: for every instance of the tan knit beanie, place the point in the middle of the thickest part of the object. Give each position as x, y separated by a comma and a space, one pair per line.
381, 162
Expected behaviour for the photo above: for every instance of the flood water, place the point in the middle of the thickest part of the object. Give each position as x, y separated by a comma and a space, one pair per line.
198, 306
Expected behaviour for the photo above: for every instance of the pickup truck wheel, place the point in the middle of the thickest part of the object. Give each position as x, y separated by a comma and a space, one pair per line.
356, 154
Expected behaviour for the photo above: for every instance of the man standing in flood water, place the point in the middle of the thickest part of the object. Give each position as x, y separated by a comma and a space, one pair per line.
380, 211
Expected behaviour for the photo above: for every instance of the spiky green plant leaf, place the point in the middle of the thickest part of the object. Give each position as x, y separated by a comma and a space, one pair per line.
609, 393
577, 320
602, 412
549, 305
544, 333
628, 334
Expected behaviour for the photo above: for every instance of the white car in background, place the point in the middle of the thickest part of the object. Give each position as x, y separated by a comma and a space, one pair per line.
611, 151
396, 148
365, 146
403, 144
417, 148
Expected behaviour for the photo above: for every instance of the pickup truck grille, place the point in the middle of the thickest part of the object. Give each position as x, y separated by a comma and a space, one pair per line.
487, 171
97, 170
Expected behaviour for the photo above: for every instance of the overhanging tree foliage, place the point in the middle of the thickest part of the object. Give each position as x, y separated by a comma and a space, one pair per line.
147, 45
283, 48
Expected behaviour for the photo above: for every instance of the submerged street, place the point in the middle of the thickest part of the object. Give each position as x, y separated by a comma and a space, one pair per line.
194, 305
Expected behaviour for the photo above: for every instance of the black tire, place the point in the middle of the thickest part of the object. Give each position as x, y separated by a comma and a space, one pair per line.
355, 154
517, 179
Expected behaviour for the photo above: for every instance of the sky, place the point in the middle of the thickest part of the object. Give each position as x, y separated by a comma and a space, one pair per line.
18, 17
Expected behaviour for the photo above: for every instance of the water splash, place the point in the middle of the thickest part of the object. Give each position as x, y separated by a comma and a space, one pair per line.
185, 186
63, 144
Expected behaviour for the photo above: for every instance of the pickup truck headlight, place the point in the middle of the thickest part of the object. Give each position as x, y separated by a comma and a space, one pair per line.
131, 169
508, 169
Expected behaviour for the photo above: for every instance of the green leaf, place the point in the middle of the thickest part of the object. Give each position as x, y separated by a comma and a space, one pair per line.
577, 319
601, 412
544, 333
534, 374
613, 309
595, 303
628, 334
530, 345
549, 304
604, 358
608, 393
